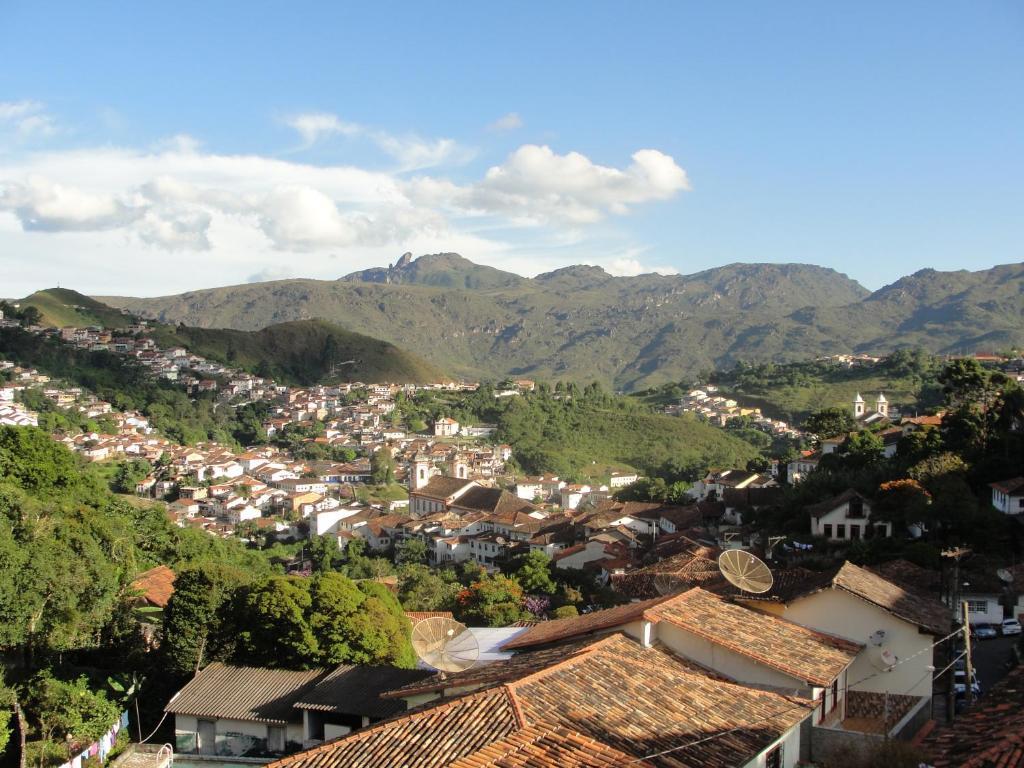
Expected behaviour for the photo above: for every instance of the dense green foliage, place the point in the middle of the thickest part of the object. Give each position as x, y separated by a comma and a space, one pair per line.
219, 614
69, 550
938, 477
581, 323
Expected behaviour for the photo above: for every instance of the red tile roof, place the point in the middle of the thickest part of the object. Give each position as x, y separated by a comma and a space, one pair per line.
801, 653
1012, 487
989, 735
576, 626
539, 747
623, 697
156, 585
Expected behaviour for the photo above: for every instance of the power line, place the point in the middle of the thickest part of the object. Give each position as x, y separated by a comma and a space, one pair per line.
772, 716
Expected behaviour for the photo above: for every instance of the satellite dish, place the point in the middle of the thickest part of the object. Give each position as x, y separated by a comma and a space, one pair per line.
1004, 575
878, 637
745, 571
667, 583
445, 644
885, 660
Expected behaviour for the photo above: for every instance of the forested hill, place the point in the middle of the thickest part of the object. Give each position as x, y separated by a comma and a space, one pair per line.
303, 352
298, 352
581, 323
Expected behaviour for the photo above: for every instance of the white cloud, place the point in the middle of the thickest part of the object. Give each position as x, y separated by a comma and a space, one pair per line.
314, 126
26, 118
411, 151
510, 122
630, 267
536, 186
224, 218
44, 206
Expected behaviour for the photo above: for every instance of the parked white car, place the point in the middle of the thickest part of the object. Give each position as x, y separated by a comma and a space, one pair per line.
1010, 627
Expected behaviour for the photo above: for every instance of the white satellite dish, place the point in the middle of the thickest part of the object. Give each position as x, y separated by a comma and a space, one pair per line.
878, 637
745, 571
445, 644
885, 659
1005, 575
667, 583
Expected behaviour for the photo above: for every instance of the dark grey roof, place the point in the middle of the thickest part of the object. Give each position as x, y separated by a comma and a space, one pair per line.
255, 694
353, 690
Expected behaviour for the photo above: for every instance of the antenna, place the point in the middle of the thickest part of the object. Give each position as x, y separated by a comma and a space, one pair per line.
878, 637
445, 644
1005, 575
745, 571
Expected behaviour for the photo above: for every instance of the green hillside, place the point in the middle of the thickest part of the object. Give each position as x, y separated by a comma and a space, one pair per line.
61, 306
572, 433
627, 332
303, 352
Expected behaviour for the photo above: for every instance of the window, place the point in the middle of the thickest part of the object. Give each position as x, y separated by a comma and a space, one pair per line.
854, 531
774, 757
856, 507
841, 531
835, 694
882, 530
826, 530
977, 606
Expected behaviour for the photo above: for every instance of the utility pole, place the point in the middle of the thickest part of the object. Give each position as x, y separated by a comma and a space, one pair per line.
968, 664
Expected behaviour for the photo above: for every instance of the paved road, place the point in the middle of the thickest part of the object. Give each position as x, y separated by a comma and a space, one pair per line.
990, 658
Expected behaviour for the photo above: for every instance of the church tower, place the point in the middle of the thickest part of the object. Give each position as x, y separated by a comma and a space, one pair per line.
858, 407
882, 405
460, 468
421, 472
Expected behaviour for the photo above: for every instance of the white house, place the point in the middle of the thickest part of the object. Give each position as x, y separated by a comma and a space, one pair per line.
1008, 496
445, 427
847, 517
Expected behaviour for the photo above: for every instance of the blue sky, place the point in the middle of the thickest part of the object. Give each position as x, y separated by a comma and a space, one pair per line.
150, 150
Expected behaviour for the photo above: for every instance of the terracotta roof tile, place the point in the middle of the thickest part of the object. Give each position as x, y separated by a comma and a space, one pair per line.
432, 737
575, 626
614, 701
538, 747
156, 585
797, 651
989, 735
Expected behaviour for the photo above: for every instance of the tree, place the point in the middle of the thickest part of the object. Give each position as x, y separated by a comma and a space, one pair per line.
68, 708
275, 629
382, 467
411, 551
198, 624
829, 422
129, 474
534, 573
494, 601
421, 588
358, 624
29, 457
902, 502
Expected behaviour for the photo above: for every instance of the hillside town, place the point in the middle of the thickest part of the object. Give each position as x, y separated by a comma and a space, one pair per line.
820, 664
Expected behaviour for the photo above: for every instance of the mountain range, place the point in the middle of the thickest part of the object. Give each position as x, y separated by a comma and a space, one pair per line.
582, 323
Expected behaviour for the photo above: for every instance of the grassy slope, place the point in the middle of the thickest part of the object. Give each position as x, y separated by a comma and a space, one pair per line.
795, 402
61, 306
302, 352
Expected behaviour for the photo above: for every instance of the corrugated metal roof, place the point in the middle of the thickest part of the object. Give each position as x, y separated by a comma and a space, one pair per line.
256, 694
